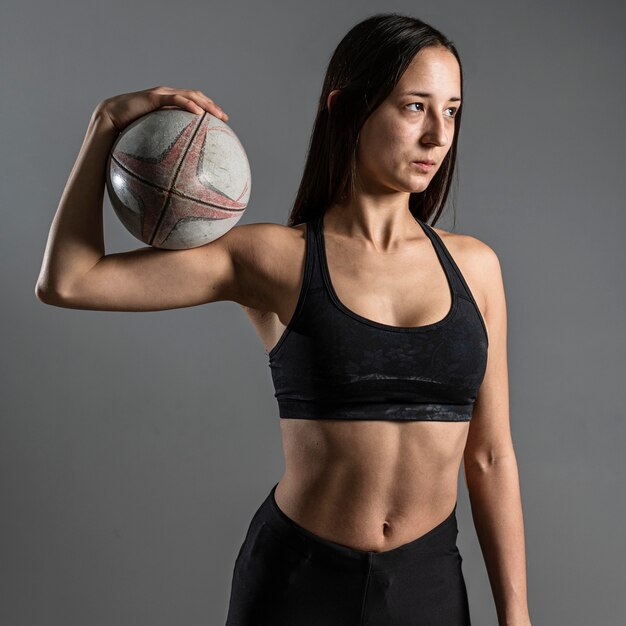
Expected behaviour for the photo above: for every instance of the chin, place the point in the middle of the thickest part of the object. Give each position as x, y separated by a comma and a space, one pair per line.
419, 187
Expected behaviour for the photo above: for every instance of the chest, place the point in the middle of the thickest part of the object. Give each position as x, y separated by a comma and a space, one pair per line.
402, 291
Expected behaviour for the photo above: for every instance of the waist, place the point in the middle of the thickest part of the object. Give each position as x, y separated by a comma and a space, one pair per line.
438, 540
371, 484
362, 524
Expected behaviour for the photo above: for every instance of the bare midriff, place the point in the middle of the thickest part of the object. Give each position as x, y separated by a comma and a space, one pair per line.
370, 485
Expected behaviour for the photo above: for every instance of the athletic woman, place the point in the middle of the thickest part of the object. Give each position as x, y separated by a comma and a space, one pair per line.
386, 339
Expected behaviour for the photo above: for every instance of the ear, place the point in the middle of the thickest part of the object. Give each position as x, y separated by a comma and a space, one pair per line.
331, 97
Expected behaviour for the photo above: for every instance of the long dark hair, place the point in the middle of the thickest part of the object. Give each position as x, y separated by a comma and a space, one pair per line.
365, 67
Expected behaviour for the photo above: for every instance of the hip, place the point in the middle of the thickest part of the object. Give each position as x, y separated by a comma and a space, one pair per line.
286, 575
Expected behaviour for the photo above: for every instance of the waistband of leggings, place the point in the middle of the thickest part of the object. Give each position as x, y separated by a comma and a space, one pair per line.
439, 538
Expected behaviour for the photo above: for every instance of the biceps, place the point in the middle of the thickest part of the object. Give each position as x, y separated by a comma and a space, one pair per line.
151, 279
489, 436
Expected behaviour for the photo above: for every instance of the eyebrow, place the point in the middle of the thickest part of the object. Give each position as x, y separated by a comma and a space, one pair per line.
423, 94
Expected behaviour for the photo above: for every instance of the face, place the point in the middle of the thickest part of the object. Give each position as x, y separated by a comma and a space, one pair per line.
407, 128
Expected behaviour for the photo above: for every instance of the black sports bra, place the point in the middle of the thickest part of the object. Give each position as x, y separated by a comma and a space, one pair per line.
332, 363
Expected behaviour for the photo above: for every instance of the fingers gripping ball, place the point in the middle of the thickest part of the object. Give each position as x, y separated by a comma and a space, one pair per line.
178, 180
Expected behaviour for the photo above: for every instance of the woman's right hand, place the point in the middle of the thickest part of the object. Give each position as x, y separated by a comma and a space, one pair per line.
124, 109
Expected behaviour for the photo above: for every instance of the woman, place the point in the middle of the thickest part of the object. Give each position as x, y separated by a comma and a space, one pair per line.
386, 339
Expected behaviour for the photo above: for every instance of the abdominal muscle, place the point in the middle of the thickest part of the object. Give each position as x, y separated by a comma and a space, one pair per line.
370, 485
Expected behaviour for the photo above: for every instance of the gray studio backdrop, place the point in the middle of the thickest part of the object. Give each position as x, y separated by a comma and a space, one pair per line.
135, 447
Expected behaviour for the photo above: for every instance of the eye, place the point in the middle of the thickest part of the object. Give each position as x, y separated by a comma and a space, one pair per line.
453, 109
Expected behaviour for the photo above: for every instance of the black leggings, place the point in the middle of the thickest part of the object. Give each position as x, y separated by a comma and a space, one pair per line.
285, 575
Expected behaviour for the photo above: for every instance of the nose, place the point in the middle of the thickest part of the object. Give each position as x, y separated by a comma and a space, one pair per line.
435, 131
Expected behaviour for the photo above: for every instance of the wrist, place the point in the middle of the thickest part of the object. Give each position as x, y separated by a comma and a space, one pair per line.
101, 119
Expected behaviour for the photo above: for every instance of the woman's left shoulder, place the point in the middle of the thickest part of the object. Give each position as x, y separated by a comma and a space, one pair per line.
472, 249
477, 261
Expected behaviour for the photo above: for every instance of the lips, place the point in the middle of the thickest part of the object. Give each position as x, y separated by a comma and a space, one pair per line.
424, 166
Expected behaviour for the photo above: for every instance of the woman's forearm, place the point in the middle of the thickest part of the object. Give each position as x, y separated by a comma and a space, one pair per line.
495, 498
76, 238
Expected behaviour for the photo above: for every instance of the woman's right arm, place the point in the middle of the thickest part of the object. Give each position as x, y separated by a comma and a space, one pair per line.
76, 273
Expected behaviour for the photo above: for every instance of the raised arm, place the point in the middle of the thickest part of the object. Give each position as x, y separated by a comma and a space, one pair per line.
76, 272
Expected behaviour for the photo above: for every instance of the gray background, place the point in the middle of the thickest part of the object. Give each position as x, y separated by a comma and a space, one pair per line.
135, 447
